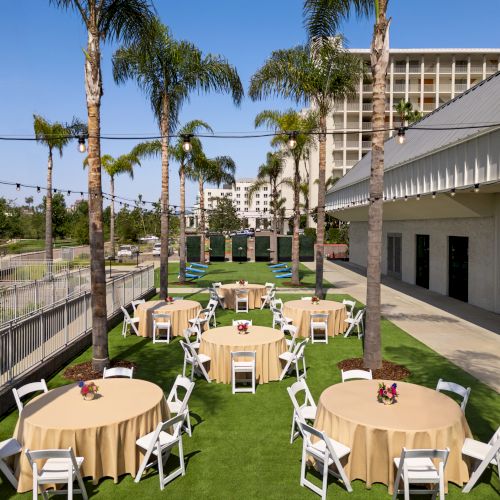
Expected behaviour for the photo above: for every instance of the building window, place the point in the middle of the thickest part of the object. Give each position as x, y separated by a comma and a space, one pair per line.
209, 193
238, 194
265, 195
264, 188
237, 188
264, 202
257, 202
246, 189
257, 195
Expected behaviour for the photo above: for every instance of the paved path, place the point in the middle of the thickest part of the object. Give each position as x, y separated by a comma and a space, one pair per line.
466, 335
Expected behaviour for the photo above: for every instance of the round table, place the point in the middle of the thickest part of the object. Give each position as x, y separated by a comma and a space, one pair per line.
180, 311
255, 292
103, 431
218, 343
300, 312
422, 418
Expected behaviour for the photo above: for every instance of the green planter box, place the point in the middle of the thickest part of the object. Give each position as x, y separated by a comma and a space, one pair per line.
217, 248
306, 249
285, 249
262, 245
239, 255
193, 248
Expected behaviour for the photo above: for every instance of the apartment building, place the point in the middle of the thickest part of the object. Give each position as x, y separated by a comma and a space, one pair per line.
425, 77
255, 211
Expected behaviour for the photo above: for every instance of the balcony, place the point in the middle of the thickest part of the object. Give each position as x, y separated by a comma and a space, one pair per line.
367, 106
444, 68
400, 68
462, 69
429, 106
414, 69
352, 144
367, 88
352, 125
399, 87
366, 144
446, 87
491, 68
352, 106
350, 163
476, 68
366, 125
429, 88
460, 87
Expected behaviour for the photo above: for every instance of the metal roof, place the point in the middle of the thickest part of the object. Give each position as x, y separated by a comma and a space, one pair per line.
433, 51
480, 105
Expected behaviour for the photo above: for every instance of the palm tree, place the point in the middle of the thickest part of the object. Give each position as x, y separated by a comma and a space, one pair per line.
218, 170
104, 20
178, 153
55, 136
318, 73
323, 18
292, 121
167, 71
304, 191
124, 164
406, 113
271, 173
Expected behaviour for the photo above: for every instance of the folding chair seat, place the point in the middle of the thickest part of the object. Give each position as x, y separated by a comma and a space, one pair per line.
241, 298
319, 323
118, 371
356, 374
179, 404
293, 358
243, 366
162, 322
9, 448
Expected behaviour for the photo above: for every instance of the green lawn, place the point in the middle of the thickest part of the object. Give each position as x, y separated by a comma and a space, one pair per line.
229, 272
240, 444
33, 246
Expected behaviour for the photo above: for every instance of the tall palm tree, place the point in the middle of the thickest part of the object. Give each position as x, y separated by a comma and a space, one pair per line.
406, 113
105, 20
124, 164
218, 170
167, 71
292, 121
271, 173
183, 157
55, 136
318, 74
323, 18
306, 204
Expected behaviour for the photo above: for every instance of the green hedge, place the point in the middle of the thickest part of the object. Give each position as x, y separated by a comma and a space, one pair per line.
193, 248
239, 241
306, 249
285, 249
217, 248
262, 245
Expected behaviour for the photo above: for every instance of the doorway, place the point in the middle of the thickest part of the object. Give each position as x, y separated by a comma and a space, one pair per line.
422, 264
394, 247
458, 267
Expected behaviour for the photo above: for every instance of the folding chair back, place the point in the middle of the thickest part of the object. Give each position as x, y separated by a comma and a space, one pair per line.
458, 389
174, 395
356, 374
277, 304
306, 298
118, 371
9, 448
28, 389
136, 303
349, 305
357, 323
295, 389
238, 322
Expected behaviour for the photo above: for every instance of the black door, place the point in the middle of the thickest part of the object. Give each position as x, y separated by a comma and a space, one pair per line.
394, 255
458, 267
422, 271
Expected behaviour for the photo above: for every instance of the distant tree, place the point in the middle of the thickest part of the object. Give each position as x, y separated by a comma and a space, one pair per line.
224, 217
59, 216
406, 113
29, 201
80, 222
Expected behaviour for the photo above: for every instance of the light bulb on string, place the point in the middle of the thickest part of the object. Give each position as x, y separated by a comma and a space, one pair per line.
401, 135
81, 144
186, 143
292, 140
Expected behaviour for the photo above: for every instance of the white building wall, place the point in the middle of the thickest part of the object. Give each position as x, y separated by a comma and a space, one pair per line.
484, 253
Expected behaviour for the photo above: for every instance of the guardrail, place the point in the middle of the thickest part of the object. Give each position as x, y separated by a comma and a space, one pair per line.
32, 340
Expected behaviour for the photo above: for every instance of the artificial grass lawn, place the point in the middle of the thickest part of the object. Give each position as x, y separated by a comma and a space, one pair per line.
230, 272
33, 245
240, 444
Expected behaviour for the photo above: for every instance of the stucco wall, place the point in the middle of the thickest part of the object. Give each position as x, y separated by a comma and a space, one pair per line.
483, 256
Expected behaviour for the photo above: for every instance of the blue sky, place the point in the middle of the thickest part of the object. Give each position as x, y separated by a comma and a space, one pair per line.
41, 71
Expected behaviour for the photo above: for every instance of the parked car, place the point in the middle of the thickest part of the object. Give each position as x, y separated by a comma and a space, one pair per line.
156, 249
127, 251
149, 239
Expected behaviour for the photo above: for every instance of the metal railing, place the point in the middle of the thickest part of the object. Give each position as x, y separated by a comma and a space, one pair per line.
29, 341
30, 270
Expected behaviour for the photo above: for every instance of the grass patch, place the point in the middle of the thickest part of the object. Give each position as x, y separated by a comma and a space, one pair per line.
240, 445
33, 245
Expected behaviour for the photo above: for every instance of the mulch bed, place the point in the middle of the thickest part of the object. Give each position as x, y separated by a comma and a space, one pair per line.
291, 285
389, 371
84, 371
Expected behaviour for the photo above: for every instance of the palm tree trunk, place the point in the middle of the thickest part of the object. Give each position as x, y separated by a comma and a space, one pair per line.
112, 216
182, 226
274, 235
320, 231
296, 225
93, 88
164, 229
202, 220
379, 62
48, 215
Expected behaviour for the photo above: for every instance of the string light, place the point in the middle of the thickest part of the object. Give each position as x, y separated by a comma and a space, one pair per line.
434, 195
18, 187
453, 192
401, 135
476, 188
292, 140
81, 144
418, 197
186, 143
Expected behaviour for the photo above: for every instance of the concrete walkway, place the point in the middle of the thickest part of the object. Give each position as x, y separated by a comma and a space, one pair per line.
466, 335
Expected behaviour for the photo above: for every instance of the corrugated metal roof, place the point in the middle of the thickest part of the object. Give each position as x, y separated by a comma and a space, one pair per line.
480, 105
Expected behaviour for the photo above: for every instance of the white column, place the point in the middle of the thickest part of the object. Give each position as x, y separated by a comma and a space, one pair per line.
407, 78
391, 97
468, 72
484, 67
496, 264
453, 77
422, 83
438, 70
344, 138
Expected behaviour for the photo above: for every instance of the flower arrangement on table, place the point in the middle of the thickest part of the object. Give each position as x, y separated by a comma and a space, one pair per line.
387, 394
169, 300
315, 299
242, 282
242, 328
88, 390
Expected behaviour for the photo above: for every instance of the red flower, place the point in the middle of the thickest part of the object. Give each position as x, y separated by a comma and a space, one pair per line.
85, 390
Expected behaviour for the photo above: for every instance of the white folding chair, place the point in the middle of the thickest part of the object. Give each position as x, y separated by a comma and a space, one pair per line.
188, 332
212, 306
458, 389
417, 467
191, 357
243, 366
244, 283
349, 307
268, 296
129, 322
179, 404
294, 357
241, 299
356, 322
28, 389
158, 446
137, 302
305, 411
484, 455
293, 331
238, 322
162, 322
356, 374
279, 319
214, 293
60, 467
9, 448
200, 321
277, 304
327, 453
319, 323
118, 371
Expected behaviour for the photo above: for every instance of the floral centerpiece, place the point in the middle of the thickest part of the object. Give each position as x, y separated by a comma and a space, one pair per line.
169, 299
242, 282
242, 328
315, 299
88, 390
387, 394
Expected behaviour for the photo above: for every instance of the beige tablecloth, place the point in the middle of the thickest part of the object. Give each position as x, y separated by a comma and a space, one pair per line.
180, 311
103, 431
422, 418
218, 343
300, 311
228, 292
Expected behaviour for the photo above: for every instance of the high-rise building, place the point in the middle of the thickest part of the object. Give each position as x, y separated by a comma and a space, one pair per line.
425, 77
